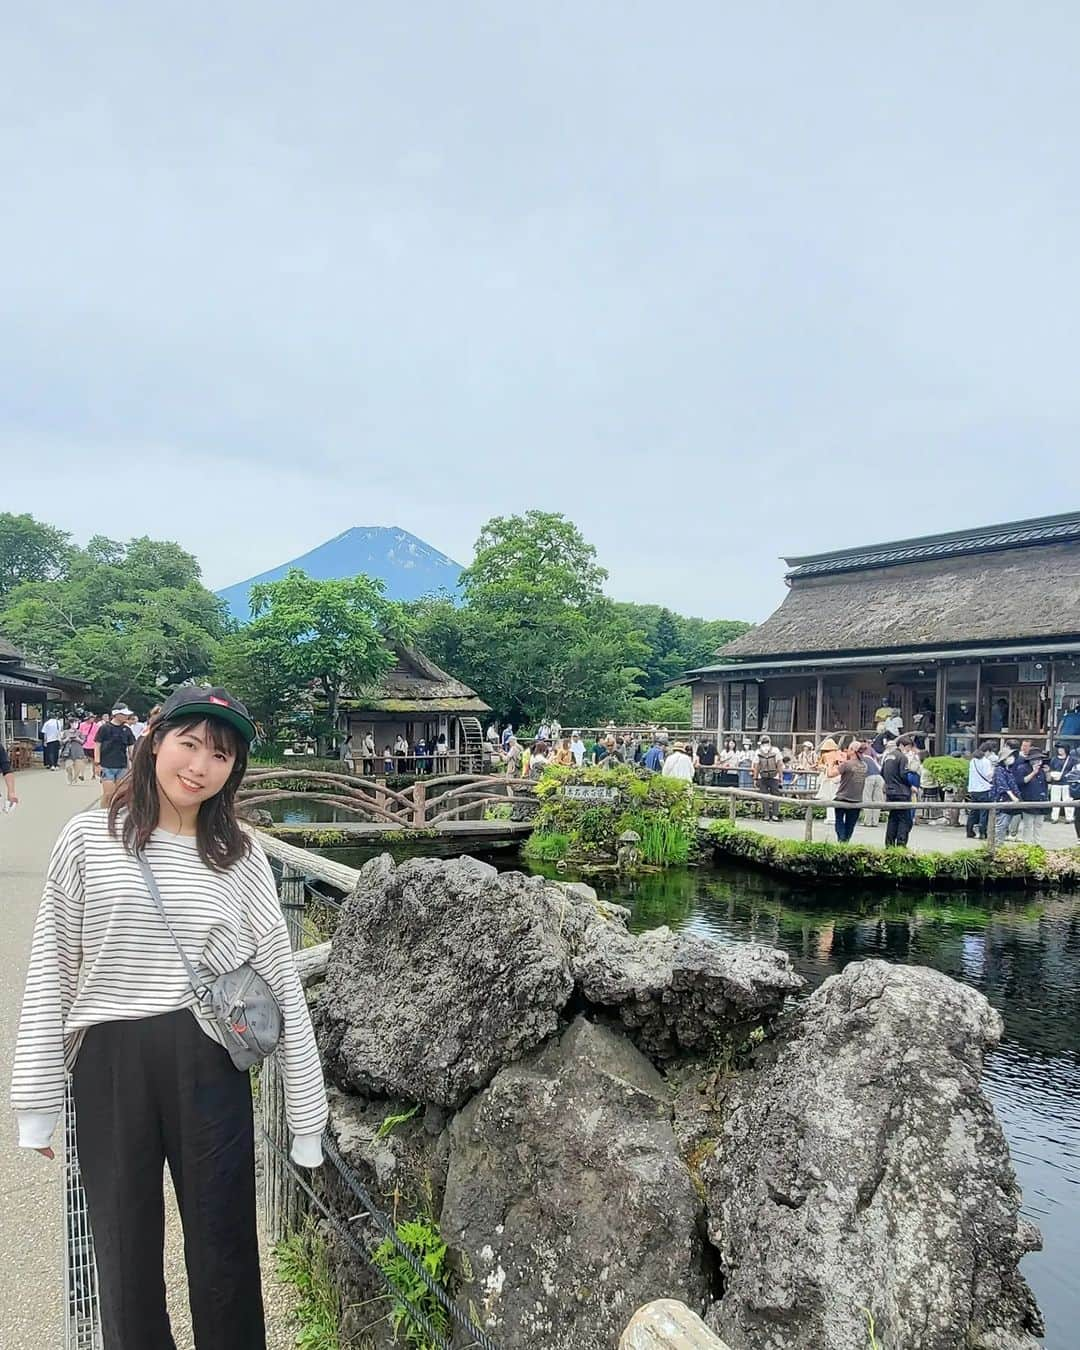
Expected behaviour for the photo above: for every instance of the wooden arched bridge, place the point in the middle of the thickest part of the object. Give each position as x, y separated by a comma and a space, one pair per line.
428, 803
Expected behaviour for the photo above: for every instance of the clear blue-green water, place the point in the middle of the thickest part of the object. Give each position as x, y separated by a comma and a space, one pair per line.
1023, 953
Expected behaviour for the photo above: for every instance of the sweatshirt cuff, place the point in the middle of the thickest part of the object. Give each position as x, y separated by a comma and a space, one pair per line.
307, 1150
36, 1128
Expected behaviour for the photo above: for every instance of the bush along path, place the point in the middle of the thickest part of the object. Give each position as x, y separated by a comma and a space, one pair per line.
1014, 865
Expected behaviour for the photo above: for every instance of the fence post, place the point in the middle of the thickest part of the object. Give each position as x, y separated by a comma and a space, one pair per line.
731, 804
991, 830
808, 833
419, 805
281, 1194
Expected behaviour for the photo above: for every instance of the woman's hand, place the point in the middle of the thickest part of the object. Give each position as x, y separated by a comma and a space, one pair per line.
45, 1152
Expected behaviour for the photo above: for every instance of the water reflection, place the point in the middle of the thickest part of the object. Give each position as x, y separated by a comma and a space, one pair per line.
1022, 953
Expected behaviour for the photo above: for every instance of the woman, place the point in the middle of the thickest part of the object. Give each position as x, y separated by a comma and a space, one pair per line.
1003, 789
849, 772
151, 1081
728, 763
72, 752
90, 741
345, 754
564, 756
442, 753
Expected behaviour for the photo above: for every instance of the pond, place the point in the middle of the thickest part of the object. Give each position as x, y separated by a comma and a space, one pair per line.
1023, 953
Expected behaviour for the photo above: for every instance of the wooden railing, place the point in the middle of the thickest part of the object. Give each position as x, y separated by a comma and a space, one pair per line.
923, 806
427, 802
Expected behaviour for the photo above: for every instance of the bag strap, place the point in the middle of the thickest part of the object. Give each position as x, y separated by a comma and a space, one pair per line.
202, 993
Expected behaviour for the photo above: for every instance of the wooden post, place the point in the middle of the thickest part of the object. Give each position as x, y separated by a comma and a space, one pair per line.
731, 802
808, 833
818, 711
419, 805
940, 693
991, 830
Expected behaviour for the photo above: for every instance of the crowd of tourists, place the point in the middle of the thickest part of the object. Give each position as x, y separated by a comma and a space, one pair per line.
855, 777
93, 745
401, 756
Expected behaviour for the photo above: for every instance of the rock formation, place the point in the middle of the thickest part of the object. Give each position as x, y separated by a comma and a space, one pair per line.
863, 1171
567, 1194
589, 1138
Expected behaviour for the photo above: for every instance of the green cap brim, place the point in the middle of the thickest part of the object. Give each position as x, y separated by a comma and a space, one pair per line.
244, 725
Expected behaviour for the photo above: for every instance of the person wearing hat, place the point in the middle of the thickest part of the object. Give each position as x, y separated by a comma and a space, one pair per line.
112, 750
678, 764
108, 998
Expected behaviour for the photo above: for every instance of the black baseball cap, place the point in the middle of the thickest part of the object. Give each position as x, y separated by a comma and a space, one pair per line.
217, 703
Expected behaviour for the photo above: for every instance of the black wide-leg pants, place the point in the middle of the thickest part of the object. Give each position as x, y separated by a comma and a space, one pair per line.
148, 1092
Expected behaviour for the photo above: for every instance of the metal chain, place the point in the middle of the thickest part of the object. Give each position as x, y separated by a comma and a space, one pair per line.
416, 1313
383, 1221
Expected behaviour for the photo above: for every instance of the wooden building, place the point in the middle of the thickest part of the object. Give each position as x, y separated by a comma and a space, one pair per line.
421, 702
973, 636
29, 693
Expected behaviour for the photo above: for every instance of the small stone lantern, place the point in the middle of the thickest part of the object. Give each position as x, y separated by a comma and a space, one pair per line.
627, 855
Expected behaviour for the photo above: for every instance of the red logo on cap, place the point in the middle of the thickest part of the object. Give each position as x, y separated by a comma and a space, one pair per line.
223, 702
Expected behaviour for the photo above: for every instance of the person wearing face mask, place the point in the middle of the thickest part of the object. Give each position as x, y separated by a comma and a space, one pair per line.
767, 767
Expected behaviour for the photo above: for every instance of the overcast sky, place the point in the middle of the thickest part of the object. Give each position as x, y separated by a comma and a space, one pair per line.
721, 282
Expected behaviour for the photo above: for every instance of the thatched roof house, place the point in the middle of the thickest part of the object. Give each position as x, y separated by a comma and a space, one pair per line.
420, 701
980, 625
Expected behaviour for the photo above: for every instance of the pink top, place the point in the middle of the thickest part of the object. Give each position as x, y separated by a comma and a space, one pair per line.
91, 730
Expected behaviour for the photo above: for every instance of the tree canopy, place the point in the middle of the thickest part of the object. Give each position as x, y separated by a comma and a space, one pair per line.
330, 635
134, 619
30, 550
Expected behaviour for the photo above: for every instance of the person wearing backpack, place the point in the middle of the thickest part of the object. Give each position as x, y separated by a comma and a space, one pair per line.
768, 766
151, 908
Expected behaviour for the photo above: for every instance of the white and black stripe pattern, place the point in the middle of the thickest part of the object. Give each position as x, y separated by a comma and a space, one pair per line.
101, 954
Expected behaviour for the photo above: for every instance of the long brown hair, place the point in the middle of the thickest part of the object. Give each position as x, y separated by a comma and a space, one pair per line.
220, 839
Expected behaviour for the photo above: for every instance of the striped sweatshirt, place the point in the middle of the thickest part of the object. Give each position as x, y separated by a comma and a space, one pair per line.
102, 954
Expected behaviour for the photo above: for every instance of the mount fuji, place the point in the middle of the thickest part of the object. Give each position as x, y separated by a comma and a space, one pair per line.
408, 566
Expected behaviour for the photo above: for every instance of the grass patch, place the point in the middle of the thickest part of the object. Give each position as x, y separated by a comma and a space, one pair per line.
301, 1262
1014, 865
664, 842
547, 847
392, 1122
425, 1242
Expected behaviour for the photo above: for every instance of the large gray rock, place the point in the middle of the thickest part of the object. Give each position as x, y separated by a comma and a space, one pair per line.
440, 973
678, 993
567, 1196
443, 971
863, 1169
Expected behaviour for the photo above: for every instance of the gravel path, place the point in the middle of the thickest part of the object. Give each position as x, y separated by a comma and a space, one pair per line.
31, 1190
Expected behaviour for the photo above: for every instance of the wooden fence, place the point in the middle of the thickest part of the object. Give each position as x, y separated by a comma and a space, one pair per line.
992, 809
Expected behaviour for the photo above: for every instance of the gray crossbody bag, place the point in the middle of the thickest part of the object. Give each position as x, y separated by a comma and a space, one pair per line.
240, 1002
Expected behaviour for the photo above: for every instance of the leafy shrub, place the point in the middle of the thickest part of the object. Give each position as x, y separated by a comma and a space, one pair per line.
425, 1242
1022, 864
660, 810
948, 771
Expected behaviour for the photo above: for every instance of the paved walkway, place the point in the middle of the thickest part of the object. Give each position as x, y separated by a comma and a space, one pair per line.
31, 1188
925, 838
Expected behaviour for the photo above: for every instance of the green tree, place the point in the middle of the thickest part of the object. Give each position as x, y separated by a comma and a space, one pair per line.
30, 551
332, 636
249, 667
132, 619
535, 635
676, 643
